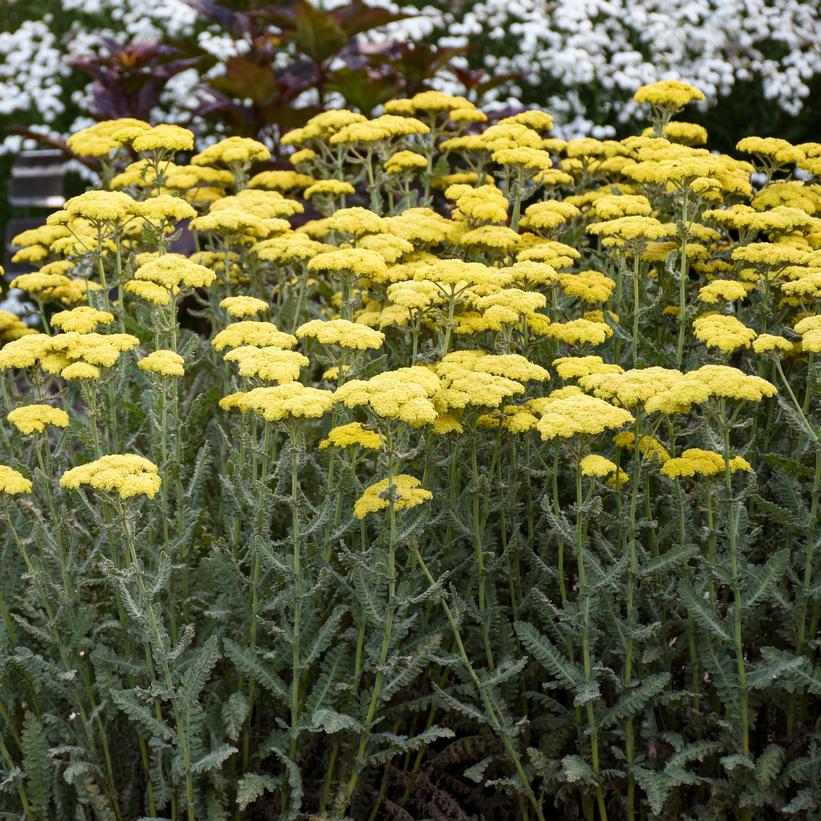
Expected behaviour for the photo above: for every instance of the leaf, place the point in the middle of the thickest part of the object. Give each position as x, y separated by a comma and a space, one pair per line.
325, 635
730, 762
234, 713
213, 760
247, 662
761, 580
585, 692
295, 783
634, 699
577, 770
198, 672
137, 711
703, 612
36, 765
668, 560
548, 655
252, 786
329, 721
778, 664
476, 773
769, 764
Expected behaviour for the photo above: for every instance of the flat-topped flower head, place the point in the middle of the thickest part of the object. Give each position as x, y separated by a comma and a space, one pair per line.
598, 466
36, 418
232, 150
356, 221
588, 286
698, 462
672, 94
270, 364
357, 261
708, 381
353, 434
575, 367
126, 475
579, 413
405, 162
723, 332
80, 370
175, 271
13, 482
93, 348
149, 291
82, 319
163, 138
250, 332
404, 491
242, 306
772, 343
728, 290
632, 387
102, 206
580, 331
341, 332
165, 363
282, 402
403, 394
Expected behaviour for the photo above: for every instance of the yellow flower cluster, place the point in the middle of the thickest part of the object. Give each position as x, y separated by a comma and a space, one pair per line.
30, 418
126, 475
404, 492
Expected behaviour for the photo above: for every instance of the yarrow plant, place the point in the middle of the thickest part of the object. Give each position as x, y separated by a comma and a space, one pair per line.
459, 471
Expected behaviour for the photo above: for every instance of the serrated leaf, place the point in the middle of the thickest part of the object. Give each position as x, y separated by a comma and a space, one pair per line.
549, 656
634, 699
253, 786
329, 721
476, 773
576, 770
198, 672
213, 760
777, 665
668, 560
247, 662
761, 580
36, 765
703, 611
234, 713
137, 711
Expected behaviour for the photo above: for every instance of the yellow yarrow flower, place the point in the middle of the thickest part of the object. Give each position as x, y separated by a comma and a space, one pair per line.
174, 271
268, 363
240, 306
699, 462
83, 319
649, 447
13, 482
668, 94
165, 363
580, 331
352, 434
80, 370
575, 367
588, 286
232, 150
341, 332
249, 332
580, 414
404, 394
149, 291
31, 418
724, 332
289, 401
405, 161
404, 491
126, 475
727, 289
595, 465
163, 138
766, 343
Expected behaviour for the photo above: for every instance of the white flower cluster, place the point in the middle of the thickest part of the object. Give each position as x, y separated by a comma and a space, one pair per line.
619, 45
574, 48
